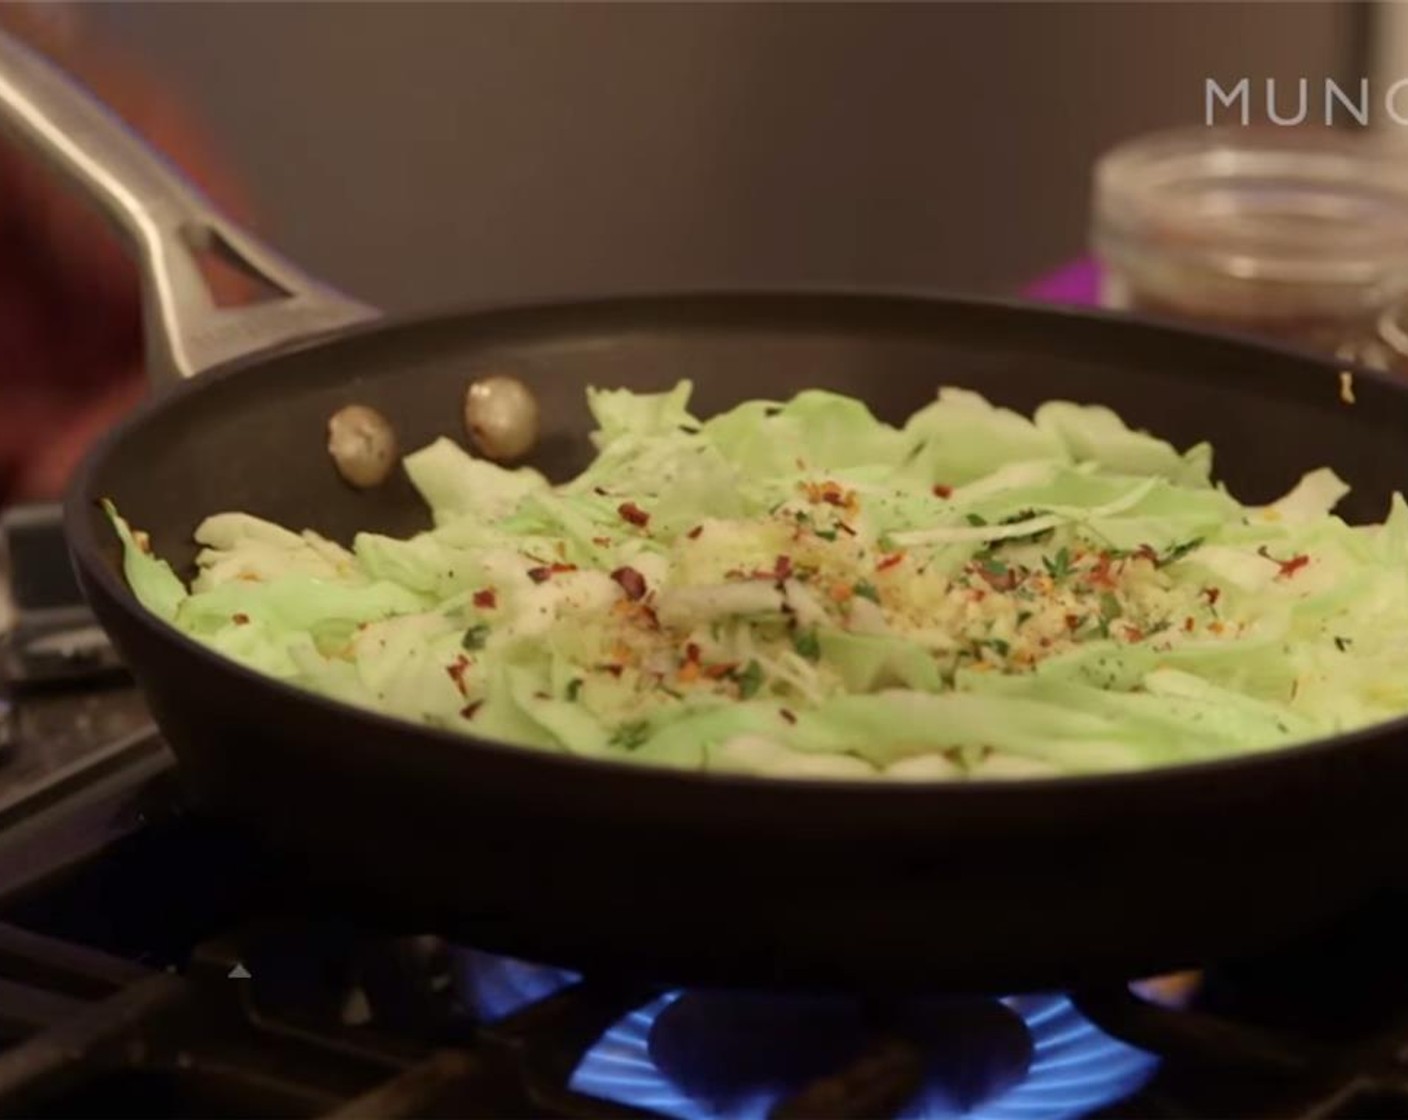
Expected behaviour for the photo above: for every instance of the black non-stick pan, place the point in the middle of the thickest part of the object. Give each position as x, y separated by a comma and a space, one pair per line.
693, 878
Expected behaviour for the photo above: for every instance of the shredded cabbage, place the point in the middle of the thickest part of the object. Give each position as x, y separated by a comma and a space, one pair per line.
798, 589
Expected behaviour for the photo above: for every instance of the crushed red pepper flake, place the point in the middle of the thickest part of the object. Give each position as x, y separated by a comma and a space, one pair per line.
457, 669
486, 599
1188, 624
885, 563
1101, 575
693, 534
788, 716
1288, 568
942, 491
631, 582
544, 572
829, 493
633, 514
469, 710
1002, 579
1212, 594
240, 619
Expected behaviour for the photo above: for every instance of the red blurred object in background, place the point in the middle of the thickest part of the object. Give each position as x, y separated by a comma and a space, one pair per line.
70, 313
1077, 283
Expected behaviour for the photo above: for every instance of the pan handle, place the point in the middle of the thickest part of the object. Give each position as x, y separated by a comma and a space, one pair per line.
168, 221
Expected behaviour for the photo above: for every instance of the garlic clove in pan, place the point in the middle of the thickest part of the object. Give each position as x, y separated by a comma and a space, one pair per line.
501, 417
362, 444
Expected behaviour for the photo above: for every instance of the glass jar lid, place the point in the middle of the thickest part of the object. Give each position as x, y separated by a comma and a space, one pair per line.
1298, 216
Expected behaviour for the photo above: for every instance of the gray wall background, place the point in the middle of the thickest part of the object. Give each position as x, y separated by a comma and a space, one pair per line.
420, 154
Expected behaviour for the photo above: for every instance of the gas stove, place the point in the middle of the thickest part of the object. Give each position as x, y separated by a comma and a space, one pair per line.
152, 963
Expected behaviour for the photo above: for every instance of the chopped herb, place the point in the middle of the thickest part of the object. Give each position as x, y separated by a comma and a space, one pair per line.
475, 637
631, 736
1022, 617
750, 680
1178, 551
1000, 646
976, 519
806, 643
1343, 644
826, 534
1109, 606
866, 590
1015, 518
574, 688
788, 716
1058, 566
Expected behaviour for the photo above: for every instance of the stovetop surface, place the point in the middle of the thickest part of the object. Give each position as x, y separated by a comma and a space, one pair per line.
153, 963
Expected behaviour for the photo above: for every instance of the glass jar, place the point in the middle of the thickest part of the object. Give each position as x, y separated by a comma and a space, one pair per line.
1295, 235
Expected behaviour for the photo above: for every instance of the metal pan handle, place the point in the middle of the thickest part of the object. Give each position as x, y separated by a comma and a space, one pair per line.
168, 221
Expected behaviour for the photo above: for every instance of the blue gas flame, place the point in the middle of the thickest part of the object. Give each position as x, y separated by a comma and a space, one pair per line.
1075, 1067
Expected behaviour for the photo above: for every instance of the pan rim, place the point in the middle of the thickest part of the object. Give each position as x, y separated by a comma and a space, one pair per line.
84, 549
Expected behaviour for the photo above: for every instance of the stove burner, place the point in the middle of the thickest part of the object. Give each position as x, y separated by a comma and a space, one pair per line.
726, 1048
708, 1056
1074, 1069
